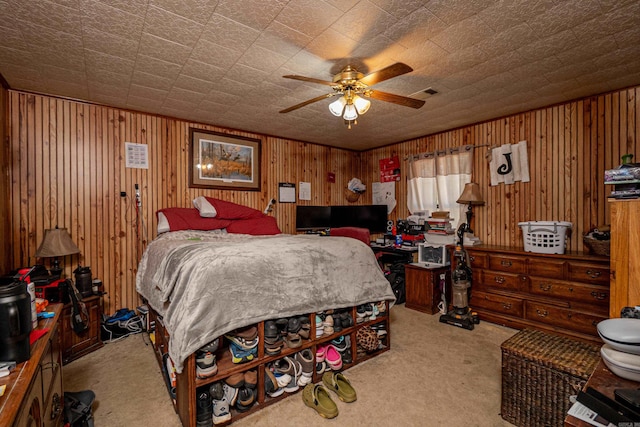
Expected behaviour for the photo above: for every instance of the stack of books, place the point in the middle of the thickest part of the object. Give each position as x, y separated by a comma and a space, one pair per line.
439, 223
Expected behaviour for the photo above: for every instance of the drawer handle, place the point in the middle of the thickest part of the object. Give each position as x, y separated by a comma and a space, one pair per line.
506, 306
506, 263
542, 313
545, 286
472, 258
599, 295
593, 274
499, 279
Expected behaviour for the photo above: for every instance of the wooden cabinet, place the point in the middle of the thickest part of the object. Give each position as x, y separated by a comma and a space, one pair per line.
187, 384
77, 345
34, 393
625, 250
567, 293
423, 287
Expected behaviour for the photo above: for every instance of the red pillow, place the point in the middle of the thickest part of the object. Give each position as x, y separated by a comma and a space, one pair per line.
266, 225
230, 210
189, 219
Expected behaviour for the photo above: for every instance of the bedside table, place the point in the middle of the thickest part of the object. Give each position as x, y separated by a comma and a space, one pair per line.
77, 345
423, 287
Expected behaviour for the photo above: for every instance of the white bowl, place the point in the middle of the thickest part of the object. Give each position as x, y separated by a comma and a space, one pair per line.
625, 365
622, 334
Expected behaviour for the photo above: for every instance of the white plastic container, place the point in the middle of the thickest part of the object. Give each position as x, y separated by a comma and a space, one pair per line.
625, 365
545, 237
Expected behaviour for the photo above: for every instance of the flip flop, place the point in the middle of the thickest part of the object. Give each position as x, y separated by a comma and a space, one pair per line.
338, 383
317, 397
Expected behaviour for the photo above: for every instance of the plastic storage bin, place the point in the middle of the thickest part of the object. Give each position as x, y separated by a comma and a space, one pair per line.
546, 237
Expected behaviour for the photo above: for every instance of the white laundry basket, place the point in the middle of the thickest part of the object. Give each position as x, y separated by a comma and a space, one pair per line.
545, 237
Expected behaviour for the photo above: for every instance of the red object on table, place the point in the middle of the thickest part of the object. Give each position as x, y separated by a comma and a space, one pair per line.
36, 334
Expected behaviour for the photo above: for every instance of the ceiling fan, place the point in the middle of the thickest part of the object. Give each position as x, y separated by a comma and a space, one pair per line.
353, 87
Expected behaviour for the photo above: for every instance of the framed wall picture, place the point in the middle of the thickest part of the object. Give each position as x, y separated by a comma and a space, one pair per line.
223, 161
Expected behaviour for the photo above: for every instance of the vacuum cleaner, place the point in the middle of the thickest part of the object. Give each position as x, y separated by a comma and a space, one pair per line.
461, 315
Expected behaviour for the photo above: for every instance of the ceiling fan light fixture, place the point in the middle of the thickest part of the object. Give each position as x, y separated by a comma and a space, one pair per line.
362, 104
350, 112
337, 106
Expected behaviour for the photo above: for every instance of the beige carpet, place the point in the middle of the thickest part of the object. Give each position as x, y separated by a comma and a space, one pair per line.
434, 375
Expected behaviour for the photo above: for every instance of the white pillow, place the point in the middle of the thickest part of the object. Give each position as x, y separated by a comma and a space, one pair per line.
205, 208
163, 224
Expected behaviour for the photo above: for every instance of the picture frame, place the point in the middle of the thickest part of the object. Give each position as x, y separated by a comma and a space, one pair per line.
223, 161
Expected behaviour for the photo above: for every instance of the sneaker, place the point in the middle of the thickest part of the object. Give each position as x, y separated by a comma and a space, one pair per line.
305, 327
288, 366
246, 399
322, 367
243, 343
340, 343
374, 312
241, 355
206, 360
204, 409
319, 327
306, 361
360, 313
271, 386
221, 408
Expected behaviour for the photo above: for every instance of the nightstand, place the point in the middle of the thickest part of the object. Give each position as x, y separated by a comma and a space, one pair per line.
423, 287
77, 345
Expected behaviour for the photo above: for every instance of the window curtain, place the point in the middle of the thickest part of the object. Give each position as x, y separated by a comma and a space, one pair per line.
436, 180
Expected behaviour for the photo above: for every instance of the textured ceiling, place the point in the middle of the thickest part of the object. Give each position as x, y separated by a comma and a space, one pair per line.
222, 62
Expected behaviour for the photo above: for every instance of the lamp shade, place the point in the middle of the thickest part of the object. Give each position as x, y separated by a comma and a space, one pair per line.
56, 242
362, 105
337, 106
350, 112
471, 195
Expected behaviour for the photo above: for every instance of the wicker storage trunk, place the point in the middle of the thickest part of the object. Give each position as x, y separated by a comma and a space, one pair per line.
539, 372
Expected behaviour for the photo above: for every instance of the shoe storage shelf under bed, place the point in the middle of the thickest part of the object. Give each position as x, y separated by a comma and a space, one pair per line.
187, 383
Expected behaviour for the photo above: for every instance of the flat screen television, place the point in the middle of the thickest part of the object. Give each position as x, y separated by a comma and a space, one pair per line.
310, 218
371, 217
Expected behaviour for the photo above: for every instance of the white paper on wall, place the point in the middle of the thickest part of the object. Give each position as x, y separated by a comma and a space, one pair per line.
384, 193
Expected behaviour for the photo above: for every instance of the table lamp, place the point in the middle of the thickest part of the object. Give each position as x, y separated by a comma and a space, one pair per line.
470, 196
56, 243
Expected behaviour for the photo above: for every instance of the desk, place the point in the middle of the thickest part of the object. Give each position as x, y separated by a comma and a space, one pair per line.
605, 381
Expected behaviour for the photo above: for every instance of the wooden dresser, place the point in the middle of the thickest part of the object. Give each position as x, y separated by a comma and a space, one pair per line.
77, 345
34, 394
567, 293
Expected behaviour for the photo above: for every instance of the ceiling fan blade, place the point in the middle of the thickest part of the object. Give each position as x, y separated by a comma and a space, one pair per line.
309, 79
307, 102
386, 73
396, 99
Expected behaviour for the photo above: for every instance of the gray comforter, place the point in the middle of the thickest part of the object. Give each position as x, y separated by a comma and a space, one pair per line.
205, 284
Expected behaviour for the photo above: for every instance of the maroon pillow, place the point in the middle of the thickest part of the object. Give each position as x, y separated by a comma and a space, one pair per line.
264, 226
189, 219
230, 210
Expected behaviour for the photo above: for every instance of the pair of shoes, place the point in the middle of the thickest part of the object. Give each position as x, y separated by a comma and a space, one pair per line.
287, 368
327, 325
338, 383
224, 397
306, 360
241, 355
305, 327
243, 379
330, 354
317, 397
204, 409
206, 360
246, 398
322, 367
273, 342
271, 386
382, 306
361, 314
343, 345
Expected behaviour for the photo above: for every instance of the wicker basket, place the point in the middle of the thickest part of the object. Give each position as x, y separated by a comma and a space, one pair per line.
351, 196
539, 372
598, 247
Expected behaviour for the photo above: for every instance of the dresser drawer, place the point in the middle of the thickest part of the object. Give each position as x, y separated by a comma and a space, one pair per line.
497, 303
563, 317
478, 260
546, 268
572, 291
590, 273
502, 280
507, 263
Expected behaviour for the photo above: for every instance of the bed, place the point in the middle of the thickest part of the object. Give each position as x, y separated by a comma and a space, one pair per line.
236, 269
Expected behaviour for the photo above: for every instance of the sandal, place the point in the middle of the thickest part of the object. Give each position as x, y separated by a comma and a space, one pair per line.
333, 358
338, 383
293, 340
321, 350
317, 397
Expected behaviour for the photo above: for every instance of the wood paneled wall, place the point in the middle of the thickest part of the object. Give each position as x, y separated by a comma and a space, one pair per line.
67, 168
5, 264
569, 146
